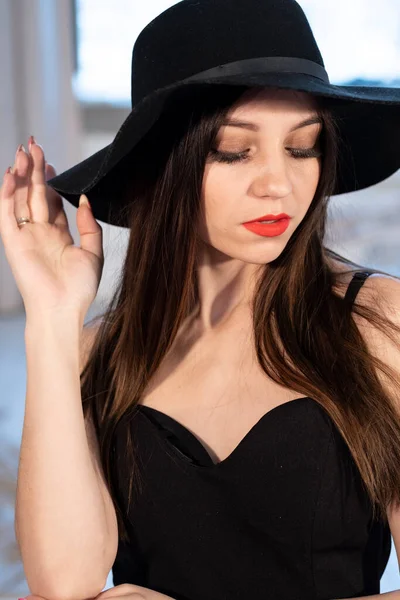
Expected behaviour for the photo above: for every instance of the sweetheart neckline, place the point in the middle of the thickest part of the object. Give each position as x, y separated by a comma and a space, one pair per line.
355, 284
177, 425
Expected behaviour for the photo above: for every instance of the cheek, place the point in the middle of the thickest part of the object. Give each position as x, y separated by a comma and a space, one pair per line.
305, 183
219, 194
315, 173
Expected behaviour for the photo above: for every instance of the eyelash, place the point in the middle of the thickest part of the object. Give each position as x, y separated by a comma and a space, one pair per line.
231, 157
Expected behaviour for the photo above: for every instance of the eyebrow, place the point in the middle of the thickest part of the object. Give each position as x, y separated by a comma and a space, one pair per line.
254, 127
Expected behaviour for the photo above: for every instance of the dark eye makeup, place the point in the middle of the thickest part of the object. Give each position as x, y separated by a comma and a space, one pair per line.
231, 157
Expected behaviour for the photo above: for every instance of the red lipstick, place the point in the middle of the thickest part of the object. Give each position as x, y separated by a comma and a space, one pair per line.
269, 218
269, 229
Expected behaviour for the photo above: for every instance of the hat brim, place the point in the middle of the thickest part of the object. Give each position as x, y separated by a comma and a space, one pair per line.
368, 119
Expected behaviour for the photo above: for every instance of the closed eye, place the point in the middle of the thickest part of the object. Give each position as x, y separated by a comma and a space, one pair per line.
231, 157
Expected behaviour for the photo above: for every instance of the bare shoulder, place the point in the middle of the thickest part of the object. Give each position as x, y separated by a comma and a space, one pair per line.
386, 290
382, 293
377, 288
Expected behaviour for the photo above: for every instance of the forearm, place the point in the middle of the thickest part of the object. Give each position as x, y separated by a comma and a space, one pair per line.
60, 520
129, 591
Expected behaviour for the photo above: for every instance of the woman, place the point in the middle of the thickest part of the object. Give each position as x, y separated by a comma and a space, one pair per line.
242, 409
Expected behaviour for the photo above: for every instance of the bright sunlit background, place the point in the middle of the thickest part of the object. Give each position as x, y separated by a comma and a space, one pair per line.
65, 74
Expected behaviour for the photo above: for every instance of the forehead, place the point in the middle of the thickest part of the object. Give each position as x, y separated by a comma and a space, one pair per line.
274, 99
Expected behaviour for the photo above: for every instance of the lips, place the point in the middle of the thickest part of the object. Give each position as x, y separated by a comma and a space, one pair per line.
269, 218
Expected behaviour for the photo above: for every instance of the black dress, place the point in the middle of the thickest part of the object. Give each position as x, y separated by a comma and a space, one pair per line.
283, 517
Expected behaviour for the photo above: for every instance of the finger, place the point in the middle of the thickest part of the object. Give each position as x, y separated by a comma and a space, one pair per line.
37, 198
57, 213
90, 232
50, 171
21, 171
8, 222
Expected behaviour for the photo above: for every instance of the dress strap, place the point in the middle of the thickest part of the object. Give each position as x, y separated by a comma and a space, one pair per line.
355, 285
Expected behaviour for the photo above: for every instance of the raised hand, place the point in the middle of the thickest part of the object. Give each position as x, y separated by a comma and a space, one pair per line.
51, 273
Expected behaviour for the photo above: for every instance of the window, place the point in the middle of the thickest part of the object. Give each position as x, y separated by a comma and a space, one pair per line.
106, 33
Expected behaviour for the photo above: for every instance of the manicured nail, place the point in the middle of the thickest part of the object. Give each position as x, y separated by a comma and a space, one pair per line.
31, 141
84, 200
20, 147
8, 170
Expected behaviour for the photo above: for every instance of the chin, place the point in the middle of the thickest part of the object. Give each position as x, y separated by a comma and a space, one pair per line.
255, 257
259, 252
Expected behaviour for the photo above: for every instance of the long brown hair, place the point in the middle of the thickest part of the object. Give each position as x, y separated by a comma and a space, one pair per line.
305, 335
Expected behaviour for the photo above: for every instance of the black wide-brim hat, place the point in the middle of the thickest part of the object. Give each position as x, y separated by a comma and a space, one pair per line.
247, 43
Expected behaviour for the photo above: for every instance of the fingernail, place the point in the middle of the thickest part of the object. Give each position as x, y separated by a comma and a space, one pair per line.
20, 147
31, 141
8, 170
84, 200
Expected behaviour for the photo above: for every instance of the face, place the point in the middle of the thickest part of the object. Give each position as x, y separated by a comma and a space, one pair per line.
268, 172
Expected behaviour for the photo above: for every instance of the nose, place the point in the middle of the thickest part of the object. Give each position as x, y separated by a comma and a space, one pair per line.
272, 179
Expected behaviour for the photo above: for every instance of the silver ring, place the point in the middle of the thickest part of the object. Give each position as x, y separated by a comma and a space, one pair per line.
23, 221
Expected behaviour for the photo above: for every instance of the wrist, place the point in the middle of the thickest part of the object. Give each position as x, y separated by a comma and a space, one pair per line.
62, 323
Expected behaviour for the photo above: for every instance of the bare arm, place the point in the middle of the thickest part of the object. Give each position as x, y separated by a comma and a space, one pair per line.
125, 591
65, 522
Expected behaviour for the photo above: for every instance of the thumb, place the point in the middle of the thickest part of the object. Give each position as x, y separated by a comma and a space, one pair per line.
91, 233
